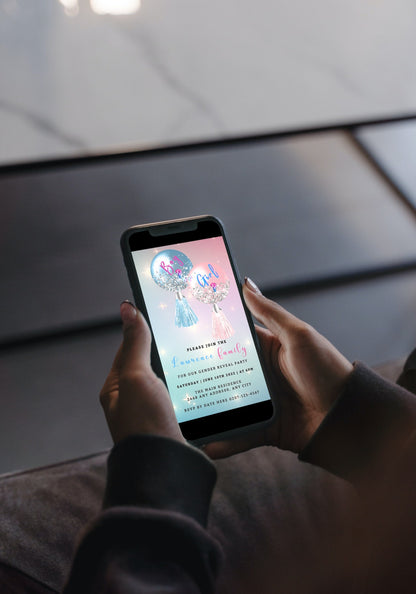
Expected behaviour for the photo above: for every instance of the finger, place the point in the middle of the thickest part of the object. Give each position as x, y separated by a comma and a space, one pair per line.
135, 350
110, 386
265, 338
270, 314
117, 359
223, 449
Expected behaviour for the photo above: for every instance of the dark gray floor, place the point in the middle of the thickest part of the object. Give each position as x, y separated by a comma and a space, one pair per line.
50, 408
50, 405
394, 147
295, 209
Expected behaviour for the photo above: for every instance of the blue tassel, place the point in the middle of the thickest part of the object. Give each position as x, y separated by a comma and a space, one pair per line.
184, 314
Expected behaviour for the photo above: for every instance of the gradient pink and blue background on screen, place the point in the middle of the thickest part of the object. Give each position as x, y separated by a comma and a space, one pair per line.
172, 341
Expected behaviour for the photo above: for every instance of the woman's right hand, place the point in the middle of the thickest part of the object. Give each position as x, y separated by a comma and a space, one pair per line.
306, 374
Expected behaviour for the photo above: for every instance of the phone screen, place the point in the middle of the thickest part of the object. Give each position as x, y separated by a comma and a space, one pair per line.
200, 328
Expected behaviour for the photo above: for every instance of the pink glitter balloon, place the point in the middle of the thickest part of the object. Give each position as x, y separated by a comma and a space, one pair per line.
208, 283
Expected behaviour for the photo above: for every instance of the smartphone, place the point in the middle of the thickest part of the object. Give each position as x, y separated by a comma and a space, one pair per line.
204, 343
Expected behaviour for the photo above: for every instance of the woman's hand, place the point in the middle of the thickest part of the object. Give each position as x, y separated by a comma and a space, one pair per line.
306, 374
134, 399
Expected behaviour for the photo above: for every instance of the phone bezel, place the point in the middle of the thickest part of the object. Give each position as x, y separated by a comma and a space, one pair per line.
226, 423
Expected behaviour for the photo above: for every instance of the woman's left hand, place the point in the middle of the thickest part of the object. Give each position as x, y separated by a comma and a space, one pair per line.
134, 399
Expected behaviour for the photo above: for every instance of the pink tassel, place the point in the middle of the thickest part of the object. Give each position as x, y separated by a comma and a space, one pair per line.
221, 327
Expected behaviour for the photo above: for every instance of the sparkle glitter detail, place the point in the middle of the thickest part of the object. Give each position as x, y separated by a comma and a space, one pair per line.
170, 270
209, 284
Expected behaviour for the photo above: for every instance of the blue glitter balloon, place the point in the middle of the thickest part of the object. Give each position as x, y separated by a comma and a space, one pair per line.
170, 270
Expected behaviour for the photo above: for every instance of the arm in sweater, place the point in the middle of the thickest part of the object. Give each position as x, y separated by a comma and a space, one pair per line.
366, 430
369, 438
151, 536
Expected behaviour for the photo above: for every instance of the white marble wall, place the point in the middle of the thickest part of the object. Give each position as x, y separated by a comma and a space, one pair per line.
192, 69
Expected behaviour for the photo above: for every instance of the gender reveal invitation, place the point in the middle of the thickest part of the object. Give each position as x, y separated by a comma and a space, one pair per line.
200, 328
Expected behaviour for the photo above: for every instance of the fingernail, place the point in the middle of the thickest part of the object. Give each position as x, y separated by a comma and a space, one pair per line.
251, 285
128, 312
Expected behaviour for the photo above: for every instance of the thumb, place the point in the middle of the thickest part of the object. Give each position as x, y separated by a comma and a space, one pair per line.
273, 316
135, 350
